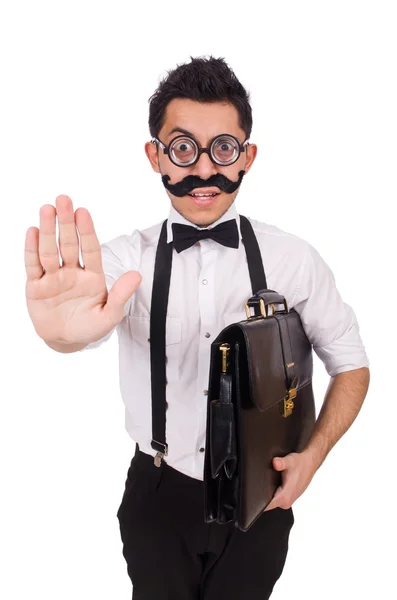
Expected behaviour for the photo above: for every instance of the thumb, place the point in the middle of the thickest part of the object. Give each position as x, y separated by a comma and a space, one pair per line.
279, 463
120, 292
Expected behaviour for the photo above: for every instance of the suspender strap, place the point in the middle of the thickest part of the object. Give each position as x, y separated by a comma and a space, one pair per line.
158, 314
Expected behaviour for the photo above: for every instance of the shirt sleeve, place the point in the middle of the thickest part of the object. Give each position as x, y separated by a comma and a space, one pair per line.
120, 255
329, 323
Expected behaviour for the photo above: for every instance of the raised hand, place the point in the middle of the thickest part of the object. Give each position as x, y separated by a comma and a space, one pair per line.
70, 304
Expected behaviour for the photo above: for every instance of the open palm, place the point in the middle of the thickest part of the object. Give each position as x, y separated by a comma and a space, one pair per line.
70, 303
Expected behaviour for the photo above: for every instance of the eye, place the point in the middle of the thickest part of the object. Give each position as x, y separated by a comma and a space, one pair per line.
225, 149
183, 150
182, 147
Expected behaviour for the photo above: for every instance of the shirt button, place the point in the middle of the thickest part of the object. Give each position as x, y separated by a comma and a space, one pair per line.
204, 282
202, 449
207, 334
205, 392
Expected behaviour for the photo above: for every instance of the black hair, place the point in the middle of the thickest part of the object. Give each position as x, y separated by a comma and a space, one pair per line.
204, 80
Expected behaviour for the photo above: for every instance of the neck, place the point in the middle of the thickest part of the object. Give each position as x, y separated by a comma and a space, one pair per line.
203, 226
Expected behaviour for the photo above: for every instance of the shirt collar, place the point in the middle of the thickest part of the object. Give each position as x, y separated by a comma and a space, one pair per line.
175, 217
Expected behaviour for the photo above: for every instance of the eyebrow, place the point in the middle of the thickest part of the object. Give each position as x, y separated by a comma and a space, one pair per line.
186, 132
176, 129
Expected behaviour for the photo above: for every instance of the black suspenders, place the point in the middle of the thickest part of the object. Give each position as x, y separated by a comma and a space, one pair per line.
158, 313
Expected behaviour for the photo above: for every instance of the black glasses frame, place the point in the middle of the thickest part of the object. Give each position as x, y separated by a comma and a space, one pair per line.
200, 151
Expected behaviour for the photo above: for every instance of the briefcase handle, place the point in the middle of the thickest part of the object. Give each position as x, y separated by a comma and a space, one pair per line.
263, 299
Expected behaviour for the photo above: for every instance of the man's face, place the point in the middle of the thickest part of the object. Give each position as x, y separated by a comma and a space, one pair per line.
203, 121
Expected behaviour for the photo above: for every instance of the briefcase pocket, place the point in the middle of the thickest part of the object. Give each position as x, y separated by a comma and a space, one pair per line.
222, 438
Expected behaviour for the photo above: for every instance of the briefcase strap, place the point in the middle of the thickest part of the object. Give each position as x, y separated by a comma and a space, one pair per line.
254, 257
158, 313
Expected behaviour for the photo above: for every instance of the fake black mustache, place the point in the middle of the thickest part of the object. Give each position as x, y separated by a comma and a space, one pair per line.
189, 183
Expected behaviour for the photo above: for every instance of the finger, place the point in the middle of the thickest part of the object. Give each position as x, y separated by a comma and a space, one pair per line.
68, 240
33, 267
275, 501
48, 249
90, 246
273, 504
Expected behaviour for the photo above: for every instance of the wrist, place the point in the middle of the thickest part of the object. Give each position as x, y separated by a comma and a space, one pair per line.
315, 454
64, 347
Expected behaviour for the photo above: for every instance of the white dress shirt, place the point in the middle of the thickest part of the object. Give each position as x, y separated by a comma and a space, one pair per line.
209, 287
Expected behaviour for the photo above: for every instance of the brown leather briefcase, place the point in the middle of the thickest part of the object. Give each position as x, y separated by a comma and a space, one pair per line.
260, 405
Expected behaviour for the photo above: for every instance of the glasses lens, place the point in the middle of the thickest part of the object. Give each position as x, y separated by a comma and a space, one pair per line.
183, 151
225, 150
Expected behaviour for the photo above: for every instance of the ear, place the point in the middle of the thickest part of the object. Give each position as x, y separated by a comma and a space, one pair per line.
151, 151
251, 151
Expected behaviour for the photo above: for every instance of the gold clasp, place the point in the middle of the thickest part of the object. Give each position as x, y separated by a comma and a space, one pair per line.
288, 403
224, 348
263, 310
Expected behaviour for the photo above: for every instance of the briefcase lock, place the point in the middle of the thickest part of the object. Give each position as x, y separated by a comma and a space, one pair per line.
288, 403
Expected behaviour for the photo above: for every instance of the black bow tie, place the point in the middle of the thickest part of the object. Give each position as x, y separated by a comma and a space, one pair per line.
225, 233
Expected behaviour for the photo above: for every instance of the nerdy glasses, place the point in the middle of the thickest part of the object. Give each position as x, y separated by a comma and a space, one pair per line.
184, 151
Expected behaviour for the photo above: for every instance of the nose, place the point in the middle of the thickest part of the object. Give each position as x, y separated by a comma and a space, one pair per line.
204, 167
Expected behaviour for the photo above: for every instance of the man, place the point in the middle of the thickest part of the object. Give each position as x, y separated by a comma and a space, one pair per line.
200, 122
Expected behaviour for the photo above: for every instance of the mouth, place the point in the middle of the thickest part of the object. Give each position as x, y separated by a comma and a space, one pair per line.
204, 196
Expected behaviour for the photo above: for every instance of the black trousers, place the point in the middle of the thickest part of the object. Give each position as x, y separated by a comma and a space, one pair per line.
173, 554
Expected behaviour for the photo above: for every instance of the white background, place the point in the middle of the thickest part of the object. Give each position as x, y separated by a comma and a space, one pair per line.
75, 83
